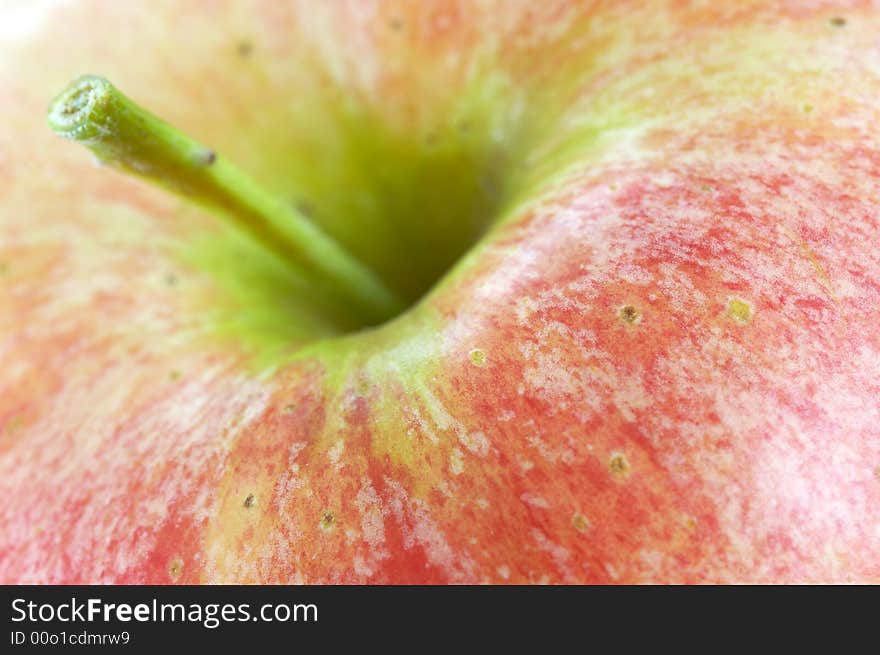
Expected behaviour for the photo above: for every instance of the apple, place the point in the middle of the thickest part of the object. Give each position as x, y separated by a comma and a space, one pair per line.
443, 292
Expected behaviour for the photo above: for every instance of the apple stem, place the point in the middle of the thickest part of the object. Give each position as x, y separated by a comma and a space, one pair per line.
124, 135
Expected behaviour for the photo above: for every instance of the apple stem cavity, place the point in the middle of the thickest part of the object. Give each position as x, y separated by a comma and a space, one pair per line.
127, 137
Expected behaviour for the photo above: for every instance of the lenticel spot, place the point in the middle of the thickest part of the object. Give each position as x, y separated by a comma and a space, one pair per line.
206, 157
580, 522
739, 310
629, 315
618, 465
244, 48
477, 357
175, 568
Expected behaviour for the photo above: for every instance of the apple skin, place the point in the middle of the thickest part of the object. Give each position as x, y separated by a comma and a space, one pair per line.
661, 365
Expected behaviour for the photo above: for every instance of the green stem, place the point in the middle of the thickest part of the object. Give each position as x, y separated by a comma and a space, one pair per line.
126, 136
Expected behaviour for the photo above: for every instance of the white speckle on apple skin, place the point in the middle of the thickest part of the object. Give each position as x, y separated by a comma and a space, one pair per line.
456, 465
535, 501
419, 528
562, 453
335, 453
561, 555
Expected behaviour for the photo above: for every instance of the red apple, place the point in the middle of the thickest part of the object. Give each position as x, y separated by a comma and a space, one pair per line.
649, 351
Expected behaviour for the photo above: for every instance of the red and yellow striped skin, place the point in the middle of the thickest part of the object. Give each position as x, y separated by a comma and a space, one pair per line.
660, 364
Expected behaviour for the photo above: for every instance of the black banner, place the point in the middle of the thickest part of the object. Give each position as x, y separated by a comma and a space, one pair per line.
135, 619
